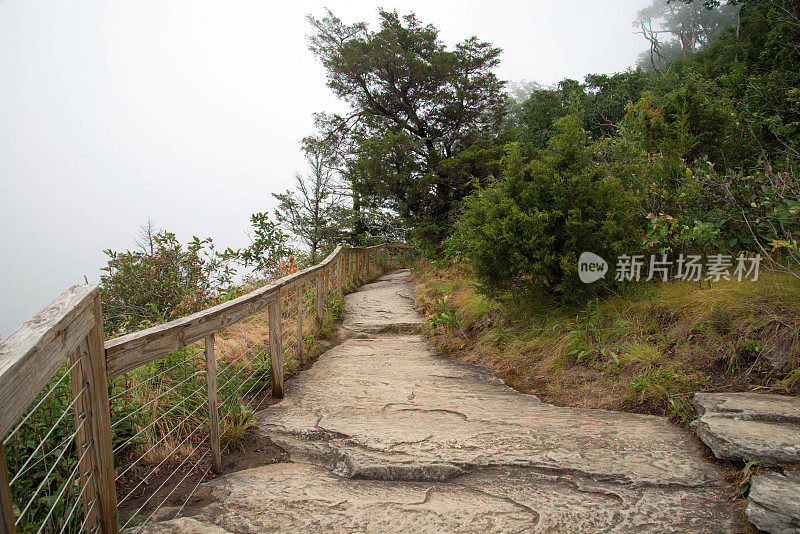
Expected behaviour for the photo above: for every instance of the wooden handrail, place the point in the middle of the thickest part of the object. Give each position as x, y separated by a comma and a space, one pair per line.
69, 329
133, 350
31, 354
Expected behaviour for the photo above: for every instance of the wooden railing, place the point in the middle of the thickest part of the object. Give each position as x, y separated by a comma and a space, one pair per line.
66, 339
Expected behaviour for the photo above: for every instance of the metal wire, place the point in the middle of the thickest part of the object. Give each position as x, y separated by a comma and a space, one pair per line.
176, 485
129, 440
251, 388
67, 482
143, 406
243, 382
63, 443
47, 436
202, 478
87, 516
52, 388
156, 467
49, 472
77, 502
146, 380
203, 403
261, 353
230, 396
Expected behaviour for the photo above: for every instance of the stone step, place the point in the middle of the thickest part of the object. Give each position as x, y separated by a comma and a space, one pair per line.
759, 427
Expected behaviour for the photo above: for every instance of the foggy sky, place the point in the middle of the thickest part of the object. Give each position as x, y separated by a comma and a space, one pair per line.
190, 113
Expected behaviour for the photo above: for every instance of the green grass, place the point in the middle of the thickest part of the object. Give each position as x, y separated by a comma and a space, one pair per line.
646, 348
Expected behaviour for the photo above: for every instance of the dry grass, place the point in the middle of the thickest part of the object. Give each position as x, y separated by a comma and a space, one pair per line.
172, 403
646, 350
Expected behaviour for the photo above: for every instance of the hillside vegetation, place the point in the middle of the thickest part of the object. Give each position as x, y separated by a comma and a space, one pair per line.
645, 350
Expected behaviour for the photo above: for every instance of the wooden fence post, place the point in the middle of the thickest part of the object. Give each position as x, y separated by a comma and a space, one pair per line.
6, 507
300, 322
404, 257
213, 410
94, 413
340, 272
320, 302
368, 262
82, 409
276, 347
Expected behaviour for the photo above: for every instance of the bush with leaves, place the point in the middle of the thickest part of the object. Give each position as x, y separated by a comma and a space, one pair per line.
161, 282
268, 247
525, 231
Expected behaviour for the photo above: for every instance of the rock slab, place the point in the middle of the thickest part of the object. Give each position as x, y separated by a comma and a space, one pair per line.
757, 427
385, 305
773, 504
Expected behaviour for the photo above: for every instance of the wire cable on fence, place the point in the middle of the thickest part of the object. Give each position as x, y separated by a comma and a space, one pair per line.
68, 408
202, 478
64, 443
87, 516
143, 406
155, 492
260, 354
203, 403
188, 472
49, 472
67, 482
174, 407
44, 398
159, 465
146, 380
229, 397
78, 500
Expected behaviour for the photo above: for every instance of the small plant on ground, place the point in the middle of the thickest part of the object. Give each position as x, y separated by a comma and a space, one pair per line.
745, 477
446, 318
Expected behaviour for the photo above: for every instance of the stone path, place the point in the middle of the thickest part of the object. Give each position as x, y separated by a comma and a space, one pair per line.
385, 435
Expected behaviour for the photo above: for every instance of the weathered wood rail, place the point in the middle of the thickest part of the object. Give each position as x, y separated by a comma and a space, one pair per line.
69, 332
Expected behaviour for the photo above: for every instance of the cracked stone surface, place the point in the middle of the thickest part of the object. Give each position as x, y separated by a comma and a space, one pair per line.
773, 504
386, 304
387, 436
758, 427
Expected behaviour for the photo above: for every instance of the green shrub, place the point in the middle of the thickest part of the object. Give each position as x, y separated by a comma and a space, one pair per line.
525, 231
